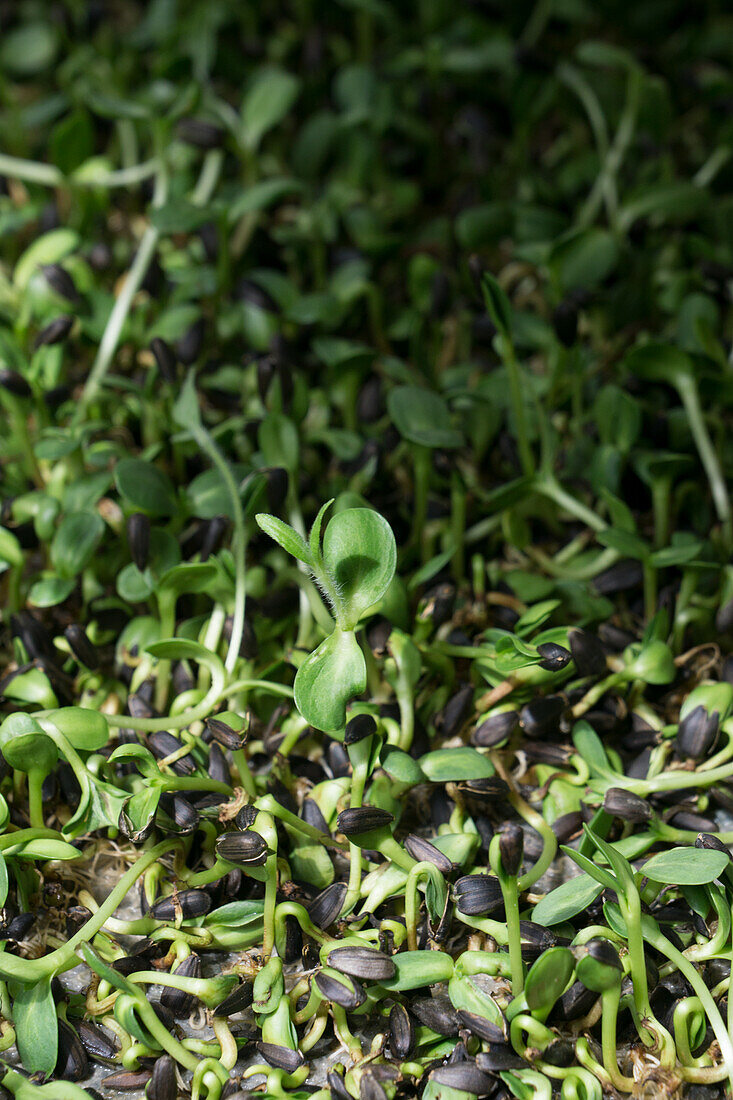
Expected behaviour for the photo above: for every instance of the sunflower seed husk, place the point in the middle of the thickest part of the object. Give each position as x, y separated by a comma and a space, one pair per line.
480, 1026
496, 729
638, 768
465, 1076
478, 894
72, 1063
20, 926
544, 752
499, 1059
623, 804
716, 971
485, 831
200, 133
190, 344
232, 1091
225, 735
554, 657
165, 1015
268, 366
541, 717
694, 823
707, 840
14, 383
567, 825
185, 816
438, 604
138, 538
565, 322
246, 817
603, 951
370, 1088
676, 911
359, 727
293, 950
456, 711
401, 1031
559, 1053
310, 811
99, 256
164, 357
336, 1084
163, 744
724, 618
163, 1084
337, 760
281, 1057
128, 1080
622, 576
128, 964
697, 734
575, 1002
345, 991
362, 962
186, 903
489, 788
81, 647
128, 830
326, 906
176, 1001
369, 402
537, 934
378, 633
76, 918
54, 332
535, 939
425, 852
34, 636
588, 653
362, 819
239, 999
213, 538
458, 1053
139, 706
61, 282
437, 1013
247, 848
99, 1044
218, 767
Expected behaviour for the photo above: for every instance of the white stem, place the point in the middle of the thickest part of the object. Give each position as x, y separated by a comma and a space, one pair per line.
207, 181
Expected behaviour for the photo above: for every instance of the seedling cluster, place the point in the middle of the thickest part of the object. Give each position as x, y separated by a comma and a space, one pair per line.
366, 713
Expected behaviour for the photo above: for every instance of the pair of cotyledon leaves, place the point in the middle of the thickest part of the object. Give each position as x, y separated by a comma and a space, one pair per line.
354, 567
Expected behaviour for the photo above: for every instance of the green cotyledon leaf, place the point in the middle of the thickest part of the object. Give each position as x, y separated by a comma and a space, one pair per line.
548, 978
328, 679
359, 556
36, 1026
686, 866
566, 900
416, 969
